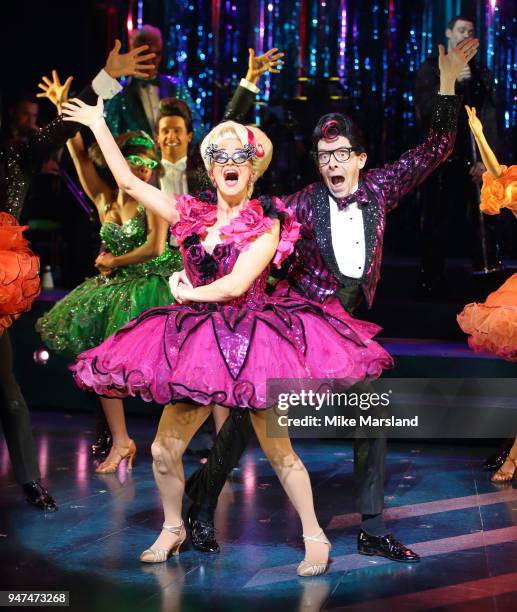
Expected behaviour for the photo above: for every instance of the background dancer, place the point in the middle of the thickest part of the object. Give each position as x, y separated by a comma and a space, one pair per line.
456, 183
492, 325
137, 107
133, 272
19, 163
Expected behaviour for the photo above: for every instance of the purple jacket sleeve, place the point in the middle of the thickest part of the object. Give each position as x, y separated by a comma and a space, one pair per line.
297, 202
397, 179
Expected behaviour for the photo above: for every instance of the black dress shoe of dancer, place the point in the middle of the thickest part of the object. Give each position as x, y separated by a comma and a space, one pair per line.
496, 460
385, 546
101, 447
38, 496
202, 533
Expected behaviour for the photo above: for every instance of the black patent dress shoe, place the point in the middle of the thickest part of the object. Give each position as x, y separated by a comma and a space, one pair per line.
385, 546
102, 445
202, 534
496, 460
39, 497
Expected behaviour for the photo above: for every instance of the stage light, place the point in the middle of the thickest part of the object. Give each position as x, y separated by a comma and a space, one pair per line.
41, 356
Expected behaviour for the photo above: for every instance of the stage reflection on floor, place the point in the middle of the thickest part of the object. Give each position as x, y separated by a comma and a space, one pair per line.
439, 499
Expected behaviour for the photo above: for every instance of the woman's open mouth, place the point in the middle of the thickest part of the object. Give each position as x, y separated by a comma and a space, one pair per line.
231, 177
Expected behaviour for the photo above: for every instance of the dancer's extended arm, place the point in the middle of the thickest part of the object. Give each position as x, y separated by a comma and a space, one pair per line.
151, 197
244, 96
54, 135
414, 166
487, 155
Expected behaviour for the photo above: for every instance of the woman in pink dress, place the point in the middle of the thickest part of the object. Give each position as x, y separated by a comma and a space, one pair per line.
225, 338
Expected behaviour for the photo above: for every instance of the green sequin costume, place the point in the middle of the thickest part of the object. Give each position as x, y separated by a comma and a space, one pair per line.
101, 305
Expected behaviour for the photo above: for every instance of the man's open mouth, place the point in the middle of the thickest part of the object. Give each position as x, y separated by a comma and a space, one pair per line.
337, 181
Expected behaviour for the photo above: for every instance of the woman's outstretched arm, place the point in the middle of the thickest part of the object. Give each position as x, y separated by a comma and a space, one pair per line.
151, 197
487, 155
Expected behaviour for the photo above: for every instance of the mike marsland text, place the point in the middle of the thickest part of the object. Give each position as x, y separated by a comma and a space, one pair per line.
341, 421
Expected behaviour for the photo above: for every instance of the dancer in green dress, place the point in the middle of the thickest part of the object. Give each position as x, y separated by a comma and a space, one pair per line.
133, 269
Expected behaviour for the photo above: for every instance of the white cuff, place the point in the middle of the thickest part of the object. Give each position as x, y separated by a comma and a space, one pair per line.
106, 86
249, 85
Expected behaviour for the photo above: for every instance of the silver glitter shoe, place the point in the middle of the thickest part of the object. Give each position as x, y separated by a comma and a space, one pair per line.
160, 555
314, 569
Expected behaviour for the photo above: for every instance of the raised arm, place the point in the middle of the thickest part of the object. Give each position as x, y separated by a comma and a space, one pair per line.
244, 96
53, 136
249, 265
151, 197
397, 179
95, 188
487, 155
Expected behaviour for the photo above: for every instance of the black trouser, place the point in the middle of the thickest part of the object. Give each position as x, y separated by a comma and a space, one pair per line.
15, 418
205, 485
451, 212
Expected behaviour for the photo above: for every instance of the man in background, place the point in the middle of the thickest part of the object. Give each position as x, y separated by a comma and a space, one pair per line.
137, 107
451, 194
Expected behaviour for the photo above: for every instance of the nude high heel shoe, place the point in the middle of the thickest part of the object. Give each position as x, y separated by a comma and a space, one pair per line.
160, 555
314, 569
124, 452
503, 475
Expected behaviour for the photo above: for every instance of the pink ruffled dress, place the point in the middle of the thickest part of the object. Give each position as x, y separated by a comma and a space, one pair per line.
226, 352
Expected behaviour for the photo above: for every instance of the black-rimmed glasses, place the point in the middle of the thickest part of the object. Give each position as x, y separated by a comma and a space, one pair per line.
340, 155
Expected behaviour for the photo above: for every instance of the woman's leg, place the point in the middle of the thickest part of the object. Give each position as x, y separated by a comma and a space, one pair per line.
220, 415
176, 429
116, 419
295, 480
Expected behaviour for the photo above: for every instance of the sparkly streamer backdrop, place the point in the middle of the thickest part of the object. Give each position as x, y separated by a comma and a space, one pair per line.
372, 51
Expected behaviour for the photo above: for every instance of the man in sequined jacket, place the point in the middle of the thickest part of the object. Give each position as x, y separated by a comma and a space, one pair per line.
338, 256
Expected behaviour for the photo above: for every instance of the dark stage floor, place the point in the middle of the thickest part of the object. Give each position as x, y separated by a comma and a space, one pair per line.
439, 498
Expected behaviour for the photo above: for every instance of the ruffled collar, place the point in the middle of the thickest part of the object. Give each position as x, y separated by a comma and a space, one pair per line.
197, 216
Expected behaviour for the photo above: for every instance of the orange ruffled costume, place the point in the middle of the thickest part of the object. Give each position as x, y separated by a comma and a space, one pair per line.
492, 326
497, 193
19, 272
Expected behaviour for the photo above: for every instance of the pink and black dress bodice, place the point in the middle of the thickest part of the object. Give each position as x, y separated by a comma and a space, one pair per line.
226, 352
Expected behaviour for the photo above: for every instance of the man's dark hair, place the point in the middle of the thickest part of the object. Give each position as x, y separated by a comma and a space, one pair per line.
173, 107
333, 125
456, 18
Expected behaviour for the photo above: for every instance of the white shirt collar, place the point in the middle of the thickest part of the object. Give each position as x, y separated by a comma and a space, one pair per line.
181, 164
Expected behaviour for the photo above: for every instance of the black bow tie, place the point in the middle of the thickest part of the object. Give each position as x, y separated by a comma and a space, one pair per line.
360, 196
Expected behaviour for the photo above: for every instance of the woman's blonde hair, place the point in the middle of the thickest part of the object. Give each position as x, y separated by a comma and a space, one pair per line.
245, 135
